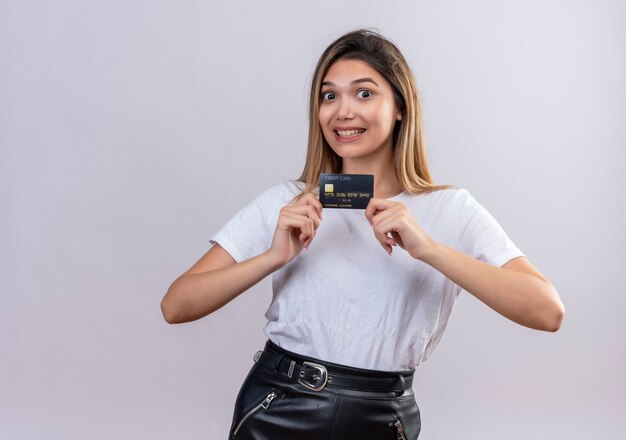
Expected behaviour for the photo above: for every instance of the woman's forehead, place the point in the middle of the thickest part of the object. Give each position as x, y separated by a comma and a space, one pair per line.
347, 70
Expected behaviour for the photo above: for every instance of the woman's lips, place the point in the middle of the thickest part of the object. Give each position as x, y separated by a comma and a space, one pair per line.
348, 135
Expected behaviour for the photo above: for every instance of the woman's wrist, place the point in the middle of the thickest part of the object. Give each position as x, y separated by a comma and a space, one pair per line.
429, 252
269, 258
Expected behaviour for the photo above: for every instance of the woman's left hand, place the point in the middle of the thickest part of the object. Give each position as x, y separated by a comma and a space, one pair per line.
394, 217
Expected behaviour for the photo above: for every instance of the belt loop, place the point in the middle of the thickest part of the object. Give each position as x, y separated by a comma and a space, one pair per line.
277, 365
402, 386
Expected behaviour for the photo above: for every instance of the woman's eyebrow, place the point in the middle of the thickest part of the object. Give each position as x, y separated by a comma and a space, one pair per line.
356, 81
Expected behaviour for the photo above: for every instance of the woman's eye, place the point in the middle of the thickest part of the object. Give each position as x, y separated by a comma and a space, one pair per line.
364, 93
328, 95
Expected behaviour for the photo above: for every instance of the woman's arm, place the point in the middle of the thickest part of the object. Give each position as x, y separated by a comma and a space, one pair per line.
211, 283
517, 290
217, 278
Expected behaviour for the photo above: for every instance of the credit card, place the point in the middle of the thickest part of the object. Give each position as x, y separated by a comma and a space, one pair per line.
352, 191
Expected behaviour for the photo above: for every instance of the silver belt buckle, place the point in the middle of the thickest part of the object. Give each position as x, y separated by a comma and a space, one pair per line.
321, 378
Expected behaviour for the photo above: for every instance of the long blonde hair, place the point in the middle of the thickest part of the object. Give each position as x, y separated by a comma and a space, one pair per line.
409, 150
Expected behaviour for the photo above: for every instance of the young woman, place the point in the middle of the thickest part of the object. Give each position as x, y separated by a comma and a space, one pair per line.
350, 319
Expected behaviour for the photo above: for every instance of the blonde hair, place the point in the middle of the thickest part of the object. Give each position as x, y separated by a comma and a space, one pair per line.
409, 150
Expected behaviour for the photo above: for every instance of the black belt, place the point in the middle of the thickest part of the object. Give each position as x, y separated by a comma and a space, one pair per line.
316, 375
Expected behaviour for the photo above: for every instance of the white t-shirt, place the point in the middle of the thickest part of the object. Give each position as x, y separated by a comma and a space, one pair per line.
344, 299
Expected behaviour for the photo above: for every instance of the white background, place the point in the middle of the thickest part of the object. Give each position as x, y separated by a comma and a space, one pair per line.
131, 130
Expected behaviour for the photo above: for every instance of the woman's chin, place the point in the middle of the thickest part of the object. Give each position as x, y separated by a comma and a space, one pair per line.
350, 151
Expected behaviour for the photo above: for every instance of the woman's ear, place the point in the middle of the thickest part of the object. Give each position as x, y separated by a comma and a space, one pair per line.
399, 116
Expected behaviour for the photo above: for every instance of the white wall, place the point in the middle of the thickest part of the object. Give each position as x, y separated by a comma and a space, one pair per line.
131, 130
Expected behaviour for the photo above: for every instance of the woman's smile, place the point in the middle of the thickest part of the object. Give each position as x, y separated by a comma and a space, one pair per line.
348, 134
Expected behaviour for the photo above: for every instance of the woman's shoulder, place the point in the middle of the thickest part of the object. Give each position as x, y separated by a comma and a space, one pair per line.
444, 195
449, 200
459, 202
286, 187
281, 191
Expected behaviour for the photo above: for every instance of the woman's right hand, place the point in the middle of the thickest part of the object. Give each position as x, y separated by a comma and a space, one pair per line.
295, 229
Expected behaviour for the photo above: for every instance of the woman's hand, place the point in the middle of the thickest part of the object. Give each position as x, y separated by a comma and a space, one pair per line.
394, 217
295, 228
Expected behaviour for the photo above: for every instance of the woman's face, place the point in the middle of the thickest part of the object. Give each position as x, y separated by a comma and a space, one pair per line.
357, 109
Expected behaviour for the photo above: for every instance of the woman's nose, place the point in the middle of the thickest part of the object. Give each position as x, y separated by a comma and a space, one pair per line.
344, 110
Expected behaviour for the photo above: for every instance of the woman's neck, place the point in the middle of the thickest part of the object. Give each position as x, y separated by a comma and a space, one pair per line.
386, 184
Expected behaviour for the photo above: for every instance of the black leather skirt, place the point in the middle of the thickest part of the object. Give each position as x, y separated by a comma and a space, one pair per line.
286, 396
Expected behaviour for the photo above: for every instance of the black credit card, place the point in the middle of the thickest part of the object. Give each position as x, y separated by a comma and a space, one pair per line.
346, 190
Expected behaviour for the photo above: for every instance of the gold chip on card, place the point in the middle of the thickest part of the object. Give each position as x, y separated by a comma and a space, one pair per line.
329, 187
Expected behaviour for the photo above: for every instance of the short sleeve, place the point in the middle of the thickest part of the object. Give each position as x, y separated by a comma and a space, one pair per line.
481, 236
249, 232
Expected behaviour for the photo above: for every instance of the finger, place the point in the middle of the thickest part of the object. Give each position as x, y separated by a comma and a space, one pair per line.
382, 238
311, 215
384, 230
305, 211
308, 241
397, 238
310, 199
307, 228
381, 229
306, 225
374, 205
310, 227
391, 241
314, 214
388, 248
318, 206
391, 228
388, 241
383, 217
293, 221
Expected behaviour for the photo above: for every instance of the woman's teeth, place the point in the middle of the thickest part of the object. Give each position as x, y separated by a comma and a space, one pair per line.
347, 133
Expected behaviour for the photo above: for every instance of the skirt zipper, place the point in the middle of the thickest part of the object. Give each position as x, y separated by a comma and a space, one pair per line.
399, 430
263, 405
